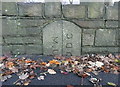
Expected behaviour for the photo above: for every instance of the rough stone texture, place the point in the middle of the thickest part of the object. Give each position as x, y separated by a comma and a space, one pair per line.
24, 23
112, 24
0, 50
112, 12
74, 11
34, 49
103, 50
6, 49
53, 9
95, 9
29, 31
88, 37
1, 40
105, 37
50, 28
30, 9
33, 40
52, 39
89, 24
18, 49
14, 40
71, 39
33, 31
9, 8
9, 27
61, 38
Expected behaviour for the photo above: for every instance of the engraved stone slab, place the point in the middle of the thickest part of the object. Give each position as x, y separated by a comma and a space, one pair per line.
71, 39
62, 38
52, 39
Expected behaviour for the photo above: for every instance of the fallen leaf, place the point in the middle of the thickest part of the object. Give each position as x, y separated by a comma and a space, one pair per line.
111, 84
51, 71
23, 76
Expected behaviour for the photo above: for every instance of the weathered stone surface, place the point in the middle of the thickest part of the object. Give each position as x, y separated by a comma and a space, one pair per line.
74, 11
33, 31
6, 49
52, 39
105, 37
71, 39
89, 24
36, 40
1, 40
112, 12
18, 49
118, 37
88, 37
100, 50
13, 40
95, 9
23, 23
53, 9
0, 26
30, 9
9, 27
0, 50
112, 24
9, 8
34, 49
62, 38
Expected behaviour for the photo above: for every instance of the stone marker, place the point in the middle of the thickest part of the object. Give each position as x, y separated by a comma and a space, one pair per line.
62, 38
71, 39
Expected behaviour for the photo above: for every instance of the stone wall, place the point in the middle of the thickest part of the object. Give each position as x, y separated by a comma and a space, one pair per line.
42, 28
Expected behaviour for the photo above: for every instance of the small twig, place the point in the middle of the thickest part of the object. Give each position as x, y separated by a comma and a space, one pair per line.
16, 81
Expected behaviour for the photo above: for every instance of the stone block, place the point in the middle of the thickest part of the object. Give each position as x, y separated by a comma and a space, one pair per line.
34, 49
112, 12
31, 9
14, 40
102, 50
53, 9
18, 49
105, 37
33, 40
9, 26
33, 31
9, 8
95, 10
112, 24
6, 49
24, 23
89, 24
74, 11
88, 37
